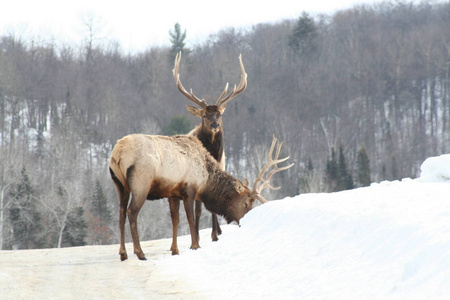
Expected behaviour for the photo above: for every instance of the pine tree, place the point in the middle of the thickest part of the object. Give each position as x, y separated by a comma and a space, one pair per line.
99, 204
302, 39
24, 216
306, 180
332, 171
309, 166
363, 168
177, 125
177, 38
100, 217
345, 179
75, 230
337, 175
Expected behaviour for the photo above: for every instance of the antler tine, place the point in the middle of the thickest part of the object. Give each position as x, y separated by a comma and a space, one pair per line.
266, 182
272, 161
236, 90
176, 75
223, 93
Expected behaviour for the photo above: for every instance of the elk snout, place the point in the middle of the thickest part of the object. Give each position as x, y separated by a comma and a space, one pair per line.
215, 125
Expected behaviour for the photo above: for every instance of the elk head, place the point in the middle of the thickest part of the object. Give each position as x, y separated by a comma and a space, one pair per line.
211, 115
247, 196
262, 183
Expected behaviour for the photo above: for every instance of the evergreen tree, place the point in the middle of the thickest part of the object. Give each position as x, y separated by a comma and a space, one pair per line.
100, 217
305, 181
177, 38
332, 171
24, 216
75, 230
99, 204
309, 166
345, 179
363, 168
337, 175
302, 39
177, 125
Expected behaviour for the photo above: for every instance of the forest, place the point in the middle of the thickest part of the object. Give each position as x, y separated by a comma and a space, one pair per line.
358, 96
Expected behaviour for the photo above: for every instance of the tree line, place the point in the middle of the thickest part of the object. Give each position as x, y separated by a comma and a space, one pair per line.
358, 96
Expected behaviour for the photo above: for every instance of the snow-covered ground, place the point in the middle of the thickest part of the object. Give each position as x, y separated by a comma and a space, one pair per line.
387, 241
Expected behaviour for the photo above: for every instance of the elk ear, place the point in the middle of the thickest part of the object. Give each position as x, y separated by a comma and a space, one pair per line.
196, 112
222, 109
239, 186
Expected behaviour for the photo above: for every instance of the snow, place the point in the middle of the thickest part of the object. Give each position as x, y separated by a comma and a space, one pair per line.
435, 169
387, 241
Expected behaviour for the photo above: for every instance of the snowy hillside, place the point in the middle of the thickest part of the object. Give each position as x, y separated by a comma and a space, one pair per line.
387, 241
390, 240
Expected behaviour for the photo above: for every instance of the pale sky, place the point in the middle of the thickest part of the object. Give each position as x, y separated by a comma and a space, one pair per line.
138, 24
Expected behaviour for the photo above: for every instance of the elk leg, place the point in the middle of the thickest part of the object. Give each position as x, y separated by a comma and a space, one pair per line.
216, 231
174, 204
198, 214
124, 196
133, 212
188, 202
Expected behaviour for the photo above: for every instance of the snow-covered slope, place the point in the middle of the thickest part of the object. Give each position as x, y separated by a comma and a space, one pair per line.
387, 241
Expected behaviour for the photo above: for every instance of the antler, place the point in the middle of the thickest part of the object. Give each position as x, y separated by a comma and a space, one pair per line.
176, 75
272, 161
237, 90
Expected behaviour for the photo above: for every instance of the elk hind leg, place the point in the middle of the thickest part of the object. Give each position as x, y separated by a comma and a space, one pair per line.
137, 201
124, 195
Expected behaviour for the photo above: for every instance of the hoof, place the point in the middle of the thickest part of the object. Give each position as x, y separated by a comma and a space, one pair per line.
195, 247
142, 258
123, 256
175, 252
214, 238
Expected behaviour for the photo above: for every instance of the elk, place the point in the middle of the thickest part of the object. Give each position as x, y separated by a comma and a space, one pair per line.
210, 131
152, 167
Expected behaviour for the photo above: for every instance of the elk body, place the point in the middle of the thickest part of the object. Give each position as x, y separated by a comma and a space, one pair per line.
152, 167
210, 131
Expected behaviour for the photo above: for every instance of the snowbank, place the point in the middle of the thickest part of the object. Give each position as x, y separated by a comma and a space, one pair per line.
435, 169
389, 240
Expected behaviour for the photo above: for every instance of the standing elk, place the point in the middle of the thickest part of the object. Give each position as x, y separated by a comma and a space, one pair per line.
210, 131
152, 167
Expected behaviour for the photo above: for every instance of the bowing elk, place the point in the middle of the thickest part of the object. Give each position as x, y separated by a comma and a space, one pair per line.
152, 167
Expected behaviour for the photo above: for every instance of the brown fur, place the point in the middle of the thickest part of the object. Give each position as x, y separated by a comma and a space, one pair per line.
210, 131
213, 140
153, 167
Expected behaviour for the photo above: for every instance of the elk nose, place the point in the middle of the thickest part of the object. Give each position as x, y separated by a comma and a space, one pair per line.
215, 125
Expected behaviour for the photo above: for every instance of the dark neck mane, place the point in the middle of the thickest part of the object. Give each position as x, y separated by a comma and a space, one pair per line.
214, 144
220, 189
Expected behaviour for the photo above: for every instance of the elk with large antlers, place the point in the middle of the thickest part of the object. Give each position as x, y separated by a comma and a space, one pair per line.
210, 131
152, 167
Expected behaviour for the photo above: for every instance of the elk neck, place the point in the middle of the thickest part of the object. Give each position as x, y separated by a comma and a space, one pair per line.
213, 142
219, 191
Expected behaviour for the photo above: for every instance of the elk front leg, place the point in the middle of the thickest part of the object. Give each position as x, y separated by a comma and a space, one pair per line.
188, 202
198, 214
174, 204
216, 230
